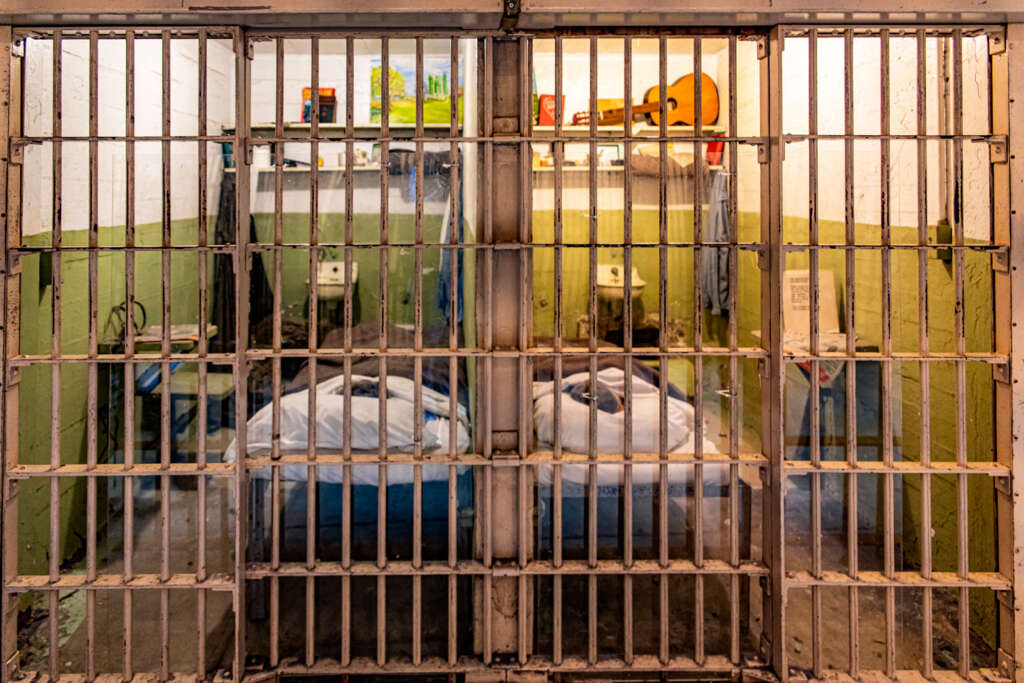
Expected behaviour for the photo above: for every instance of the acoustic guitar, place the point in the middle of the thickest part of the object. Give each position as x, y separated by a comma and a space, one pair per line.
679, 105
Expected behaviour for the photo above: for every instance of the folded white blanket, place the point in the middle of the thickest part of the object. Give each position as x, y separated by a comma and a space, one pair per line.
330, 435
611, 388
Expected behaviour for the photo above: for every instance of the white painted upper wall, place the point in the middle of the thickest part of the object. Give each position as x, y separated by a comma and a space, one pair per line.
111, 120
867, 120
37, 205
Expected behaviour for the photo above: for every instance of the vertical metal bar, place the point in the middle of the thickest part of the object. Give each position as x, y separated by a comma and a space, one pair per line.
454, 212
923, 346
815, 322
314, 342
129, 331
734, 418
963, 549
592, 484
698, 362
201, 419
453, 368
349, 226
385, 160
525, 337
241, 340
92, 418
418, 416
165, 351
662, 497
346, 495
886, 365
627, 315
275, 398
382, 473
851, 366
771, 232
55, 350
314, 201
453, 505
558, 149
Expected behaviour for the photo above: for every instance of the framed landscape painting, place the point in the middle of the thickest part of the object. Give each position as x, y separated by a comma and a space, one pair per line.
437, 89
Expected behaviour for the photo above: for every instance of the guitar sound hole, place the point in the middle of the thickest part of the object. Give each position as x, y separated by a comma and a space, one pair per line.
670, 104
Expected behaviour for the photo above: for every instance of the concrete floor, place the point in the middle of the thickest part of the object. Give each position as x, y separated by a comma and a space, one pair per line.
183, 624
146, 608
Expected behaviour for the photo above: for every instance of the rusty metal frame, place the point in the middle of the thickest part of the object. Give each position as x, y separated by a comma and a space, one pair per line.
505, 568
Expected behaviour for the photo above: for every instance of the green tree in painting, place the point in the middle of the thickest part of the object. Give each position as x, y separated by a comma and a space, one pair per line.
396, 83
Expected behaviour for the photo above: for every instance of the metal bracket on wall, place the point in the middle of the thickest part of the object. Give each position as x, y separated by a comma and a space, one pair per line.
997, 41
17, 157
510, 15
1001, 372
1006, 665
763, 151
762, 257
997, 146
1001, 261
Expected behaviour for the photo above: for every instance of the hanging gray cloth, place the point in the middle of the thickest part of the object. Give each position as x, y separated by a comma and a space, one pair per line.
714, 276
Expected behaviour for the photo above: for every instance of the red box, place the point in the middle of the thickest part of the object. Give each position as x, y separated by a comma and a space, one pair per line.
547, 110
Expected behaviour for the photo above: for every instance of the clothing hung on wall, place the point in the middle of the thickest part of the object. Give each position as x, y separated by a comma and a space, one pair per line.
222, 304
714, 280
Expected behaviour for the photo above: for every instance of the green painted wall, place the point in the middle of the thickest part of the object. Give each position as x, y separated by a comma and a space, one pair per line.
868, 285
36, 333
366, 231
34, 426
34, 390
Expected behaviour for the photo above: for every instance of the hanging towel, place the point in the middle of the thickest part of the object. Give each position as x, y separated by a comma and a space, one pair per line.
714, 280
444, 275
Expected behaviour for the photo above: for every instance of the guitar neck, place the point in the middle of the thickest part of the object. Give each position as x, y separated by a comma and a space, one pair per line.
612, 116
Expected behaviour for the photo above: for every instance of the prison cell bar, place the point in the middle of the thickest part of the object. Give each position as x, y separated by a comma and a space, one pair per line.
417, 504
346, 504
275, 399
558, 149
815, 322
525, 340
770, 56
240, 367
453, 378
92, 388
55, 393
698, 362
662, 498
313, 344
382, 435
889, 534
202, 348
592, 483
129, 331
734, 424
923, 345
627, 343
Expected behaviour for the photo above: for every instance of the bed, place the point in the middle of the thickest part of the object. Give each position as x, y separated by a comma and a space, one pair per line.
367, 387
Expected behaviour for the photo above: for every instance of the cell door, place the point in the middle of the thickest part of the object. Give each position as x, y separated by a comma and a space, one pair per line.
557, 353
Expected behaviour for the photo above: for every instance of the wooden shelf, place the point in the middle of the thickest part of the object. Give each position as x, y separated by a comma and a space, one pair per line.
640, 130
306, 169
294, 129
